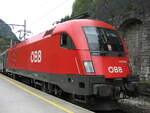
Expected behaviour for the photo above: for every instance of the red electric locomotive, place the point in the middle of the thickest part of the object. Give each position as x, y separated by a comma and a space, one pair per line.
85, 58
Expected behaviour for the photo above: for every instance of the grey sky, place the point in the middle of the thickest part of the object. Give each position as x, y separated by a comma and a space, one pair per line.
40, 14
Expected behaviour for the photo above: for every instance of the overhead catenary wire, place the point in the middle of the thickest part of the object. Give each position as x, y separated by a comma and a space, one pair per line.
48, 15
50, 11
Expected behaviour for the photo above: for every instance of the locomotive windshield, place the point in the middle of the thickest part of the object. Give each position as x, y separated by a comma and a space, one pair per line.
103, 42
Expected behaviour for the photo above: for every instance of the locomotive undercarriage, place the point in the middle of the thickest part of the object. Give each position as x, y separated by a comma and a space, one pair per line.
82, 88
111, 90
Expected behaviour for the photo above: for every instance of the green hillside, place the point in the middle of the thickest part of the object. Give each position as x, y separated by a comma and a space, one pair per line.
6, 35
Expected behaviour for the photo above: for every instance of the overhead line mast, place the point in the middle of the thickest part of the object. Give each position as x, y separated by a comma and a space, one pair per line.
25, 27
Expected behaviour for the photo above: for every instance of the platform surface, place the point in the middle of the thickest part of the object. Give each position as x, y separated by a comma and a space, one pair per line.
16, 97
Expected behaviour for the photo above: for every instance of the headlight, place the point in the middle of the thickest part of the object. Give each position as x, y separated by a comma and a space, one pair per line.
89, 66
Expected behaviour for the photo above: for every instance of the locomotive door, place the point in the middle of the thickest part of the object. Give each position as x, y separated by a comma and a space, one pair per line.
68, 55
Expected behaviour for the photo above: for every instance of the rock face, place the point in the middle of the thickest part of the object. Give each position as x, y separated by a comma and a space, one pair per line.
6, 35
132, 18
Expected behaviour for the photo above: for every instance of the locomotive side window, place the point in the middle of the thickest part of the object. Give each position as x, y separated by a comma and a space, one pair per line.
66, 41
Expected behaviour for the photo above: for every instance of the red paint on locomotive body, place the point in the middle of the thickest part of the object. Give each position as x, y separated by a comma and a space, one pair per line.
44, 53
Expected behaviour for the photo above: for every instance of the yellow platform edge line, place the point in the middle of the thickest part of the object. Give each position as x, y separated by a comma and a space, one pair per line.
36, 95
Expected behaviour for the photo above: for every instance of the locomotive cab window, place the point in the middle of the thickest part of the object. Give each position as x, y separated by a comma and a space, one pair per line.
66, 41
103, 42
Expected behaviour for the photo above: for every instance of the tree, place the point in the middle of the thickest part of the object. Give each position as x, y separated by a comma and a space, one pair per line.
81, 6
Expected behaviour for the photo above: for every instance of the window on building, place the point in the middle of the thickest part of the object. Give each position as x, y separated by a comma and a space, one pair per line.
66, 41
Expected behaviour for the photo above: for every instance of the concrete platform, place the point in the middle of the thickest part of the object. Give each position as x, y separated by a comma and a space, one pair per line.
16, 97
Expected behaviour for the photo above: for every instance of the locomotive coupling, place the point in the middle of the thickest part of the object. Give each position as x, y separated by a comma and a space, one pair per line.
106, 90
133, 86
103, 90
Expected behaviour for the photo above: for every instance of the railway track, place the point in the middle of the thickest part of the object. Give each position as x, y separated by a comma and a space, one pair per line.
115, 111
146, 94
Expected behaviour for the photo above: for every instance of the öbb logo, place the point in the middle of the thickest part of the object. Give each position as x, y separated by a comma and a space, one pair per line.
36, 56
115, 69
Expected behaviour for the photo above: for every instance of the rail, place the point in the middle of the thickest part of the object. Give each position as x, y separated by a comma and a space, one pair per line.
146, 93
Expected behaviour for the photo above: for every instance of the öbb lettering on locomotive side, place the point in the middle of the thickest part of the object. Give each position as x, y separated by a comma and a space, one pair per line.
36, 56
84, 58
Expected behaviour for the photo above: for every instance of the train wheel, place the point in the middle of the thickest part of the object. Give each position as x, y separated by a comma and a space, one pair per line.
58, 92
14, 76
32, 83
72, 98
50, 88
43, 87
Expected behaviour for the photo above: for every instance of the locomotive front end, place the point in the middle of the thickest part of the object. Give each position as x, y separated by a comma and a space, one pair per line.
109, 59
